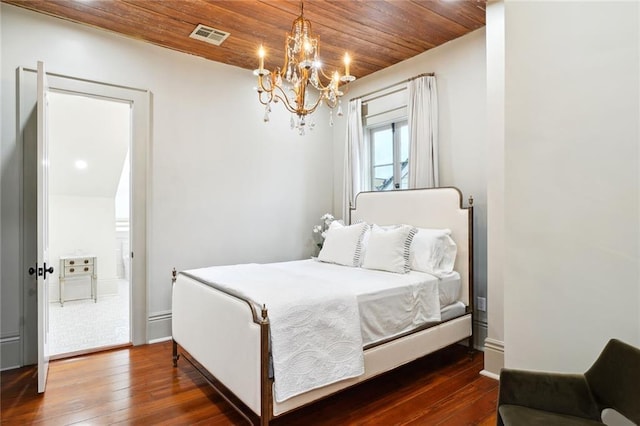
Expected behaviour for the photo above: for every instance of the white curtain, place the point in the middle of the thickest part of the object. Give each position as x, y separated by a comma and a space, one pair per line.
422, 111
355, 165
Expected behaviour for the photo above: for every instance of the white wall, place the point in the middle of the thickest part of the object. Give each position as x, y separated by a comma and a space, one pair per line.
572, 184
82, 226
460, 68
224, 186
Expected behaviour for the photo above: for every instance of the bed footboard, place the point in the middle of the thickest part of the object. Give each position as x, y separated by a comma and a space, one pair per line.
228, 338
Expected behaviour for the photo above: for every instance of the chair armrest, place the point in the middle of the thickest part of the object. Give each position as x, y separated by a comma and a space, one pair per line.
554, 392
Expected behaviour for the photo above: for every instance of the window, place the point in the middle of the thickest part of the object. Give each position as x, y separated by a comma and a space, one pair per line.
389, 149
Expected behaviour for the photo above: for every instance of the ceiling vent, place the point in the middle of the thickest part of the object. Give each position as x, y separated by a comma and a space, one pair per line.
208, 34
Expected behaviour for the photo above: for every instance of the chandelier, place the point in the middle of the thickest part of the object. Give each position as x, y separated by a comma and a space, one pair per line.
302, 68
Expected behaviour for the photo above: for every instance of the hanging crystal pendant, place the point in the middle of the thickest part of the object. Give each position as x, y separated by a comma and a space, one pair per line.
292, 122
331, 118
340, 108
267, 110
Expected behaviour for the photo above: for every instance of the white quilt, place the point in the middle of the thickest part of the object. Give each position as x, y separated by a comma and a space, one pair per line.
322, 314
314, 323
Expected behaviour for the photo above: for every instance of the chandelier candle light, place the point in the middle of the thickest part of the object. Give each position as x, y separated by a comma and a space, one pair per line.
302, 67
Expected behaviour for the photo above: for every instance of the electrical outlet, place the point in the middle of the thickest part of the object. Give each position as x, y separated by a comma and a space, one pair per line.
481, 303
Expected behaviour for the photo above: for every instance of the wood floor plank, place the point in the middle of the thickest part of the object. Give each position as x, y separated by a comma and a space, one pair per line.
424, 401
138, 385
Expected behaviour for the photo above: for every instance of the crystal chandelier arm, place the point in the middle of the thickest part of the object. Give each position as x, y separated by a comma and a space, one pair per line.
276, 92
263, 89
327, 77
269, 100
298, 110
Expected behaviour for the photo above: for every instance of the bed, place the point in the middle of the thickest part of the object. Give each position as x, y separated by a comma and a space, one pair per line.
234, 339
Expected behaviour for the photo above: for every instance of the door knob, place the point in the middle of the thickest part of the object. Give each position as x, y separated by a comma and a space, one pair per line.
47, 270
42, 272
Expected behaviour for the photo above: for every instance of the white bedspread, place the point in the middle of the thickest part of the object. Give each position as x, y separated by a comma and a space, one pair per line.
322, 314
314, 323
390, 304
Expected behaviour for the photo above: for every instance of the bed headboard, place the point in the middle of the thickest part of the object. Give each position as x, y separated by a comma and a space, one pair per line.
425, 208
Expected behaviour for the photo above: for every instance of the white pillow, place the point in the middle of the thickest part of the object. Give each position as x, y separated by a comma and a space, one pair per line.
343, 244
388, 248
433, 251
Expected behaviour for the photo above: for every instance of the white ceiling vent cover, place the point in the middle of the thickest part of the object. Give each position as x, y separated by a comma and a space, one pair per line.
208, 34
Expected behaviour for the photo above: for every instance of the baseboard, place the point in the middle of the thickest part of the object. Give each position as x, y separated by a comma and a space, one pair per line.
493, 357
159, 327
160, 340
10, 351
479, 334
490, 375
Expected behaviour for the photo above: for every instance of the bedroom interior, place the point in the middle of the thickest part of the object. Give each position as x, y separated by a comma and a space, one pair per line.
553, 167
89, 220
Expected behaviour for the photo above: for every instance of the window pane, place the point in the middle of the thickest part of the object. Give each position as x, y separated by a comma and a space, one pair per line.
404, 142
404, 183
382, 146
382, 178
404, 155
389, 145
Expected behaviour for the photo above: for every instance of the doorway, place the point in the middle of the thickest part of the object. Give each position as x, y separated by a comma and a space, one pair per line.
140, 101
89, 223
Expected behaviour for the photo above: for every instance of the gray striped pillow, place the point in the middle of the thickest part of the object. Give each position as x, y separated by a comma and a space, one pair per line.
343, 244
388, 248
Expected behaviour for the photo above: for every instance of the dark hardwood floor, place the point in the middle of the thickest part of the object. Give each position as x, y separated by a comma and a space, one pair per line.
138, 385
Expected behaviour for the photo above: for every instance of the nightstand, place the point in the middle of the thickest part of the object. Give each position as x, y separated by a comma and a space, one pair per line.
79, 266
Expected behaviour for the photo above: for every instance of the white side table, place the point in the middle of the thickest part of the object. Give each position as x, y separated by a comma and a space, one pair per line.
79, 266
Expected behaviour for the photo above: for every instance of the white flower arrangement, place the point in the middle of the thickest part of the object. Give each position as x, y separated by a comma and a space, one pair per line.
320, 231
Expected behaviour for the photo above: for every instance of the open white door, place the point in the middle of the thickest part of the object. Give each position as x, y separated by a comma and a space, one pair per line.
43, 266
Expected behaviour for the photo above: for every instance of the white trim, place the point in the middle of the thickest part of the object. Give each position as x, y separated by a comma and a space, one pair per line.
159, 326
160, 340
10, 338
493, 356
141, 102
494, 344
160, 316
11, 351
480, 332
489, 375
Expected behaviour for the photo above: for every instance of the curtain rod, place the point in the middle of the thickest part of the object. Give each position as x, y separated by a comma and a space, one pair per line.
426, 74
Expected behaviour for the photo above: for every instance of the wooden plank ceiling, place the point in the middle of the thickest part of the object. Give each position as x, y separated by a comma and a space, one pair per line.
376, 33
